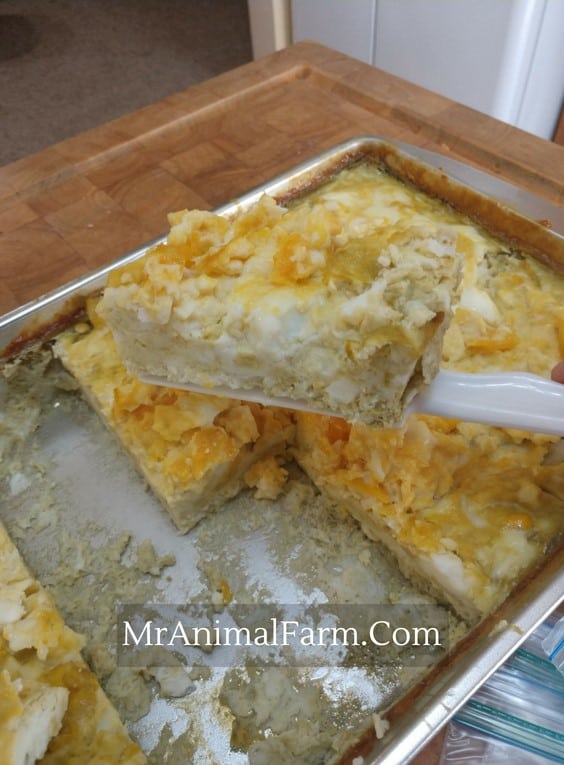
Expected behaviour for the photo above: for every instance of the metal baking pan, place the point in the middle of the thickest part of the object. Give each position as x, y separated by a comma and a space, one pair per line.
93, 492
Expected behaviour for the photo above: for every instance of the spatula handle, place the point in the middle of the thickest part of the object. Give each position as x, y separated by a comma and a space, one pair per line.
512, 400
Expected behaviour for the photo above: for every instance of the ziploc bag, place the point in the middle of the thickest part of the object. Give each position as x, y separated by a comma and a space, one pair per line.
518, 714
553, 645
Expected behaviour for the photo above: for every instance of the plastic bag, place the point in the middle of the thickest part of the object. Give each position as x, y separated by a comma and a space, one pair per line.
466, 746
517, 716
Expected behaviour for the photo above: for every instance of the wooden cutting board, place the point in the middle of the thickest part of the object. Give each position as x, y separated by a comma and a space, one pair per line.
85, 202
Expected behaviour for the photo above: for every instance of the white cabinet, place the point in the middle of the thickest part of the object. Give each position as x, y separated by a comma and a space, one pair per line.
502, 57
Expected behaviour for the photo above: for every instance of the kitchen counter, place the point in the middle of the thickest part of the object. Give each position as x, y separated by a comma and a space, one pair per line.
85, 202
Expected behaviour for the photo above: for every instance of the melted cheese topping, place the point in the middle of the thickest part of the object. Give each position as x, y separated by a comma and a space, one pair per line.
51, 706
337, 298
473, 506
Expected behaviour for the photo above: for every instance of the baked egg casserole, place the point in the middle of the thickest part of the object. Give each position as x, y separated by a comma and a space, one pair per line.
465, 509
52, 708
339, 299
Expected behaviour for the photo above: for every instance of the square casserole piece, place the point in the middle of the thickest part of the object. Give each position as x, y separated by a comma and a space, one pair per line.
339, 298
195, 451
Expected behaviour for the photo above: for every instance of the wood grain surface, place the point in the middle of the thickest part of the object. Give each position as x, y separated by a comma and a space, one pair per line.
83, 203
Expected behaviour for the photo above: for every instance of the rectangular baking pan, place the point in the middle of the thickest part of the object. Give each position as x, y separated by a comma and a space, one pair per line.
528, 222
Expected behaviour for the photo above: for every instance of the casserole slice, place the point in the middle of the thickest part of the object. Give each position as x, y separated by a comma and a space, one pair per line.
194, 451
339, 298
52, 708
465, 509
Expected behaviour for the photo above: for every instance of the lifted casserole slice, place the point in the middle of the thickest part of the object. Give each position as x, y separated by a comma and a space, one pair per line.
195, 451
52, 709
339, 299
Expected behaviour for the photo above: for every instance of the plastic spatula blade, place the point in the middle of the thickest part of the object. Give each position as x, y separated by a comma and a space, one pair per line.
517, 400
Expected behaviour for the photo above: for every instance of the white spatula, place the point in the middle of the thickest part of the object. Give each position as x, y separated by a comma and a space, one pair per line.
507, 399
